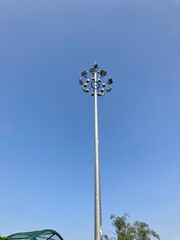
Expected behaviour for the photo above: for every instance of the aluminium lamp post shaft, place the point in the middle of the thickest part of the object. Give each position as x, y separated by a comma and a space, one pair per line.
97, 193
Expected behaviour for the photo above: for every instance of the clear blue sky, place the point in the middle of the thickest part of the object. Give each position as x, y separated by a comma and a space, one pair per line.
46, 121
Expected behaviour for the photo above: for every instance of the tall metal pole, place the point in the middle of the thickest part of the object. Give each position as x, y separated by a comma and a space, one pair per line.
96, 88
97, 187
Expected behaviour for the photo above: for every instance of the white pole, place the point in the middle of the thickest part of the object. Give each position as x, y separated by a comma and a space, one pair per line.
97, 202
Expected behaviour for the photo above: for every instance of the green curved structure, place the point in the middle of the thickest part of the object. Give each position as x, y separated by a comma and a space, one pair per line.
46, 234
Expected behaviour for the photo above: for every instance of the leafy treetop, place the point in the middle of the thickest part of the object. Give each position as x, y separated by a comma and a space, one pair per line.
126, 231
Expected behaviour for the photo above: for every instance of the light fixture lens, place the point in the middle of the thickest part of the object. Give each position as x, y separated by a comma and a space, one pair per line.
85, 89
110, 81
92, 70
102, 73
100, 94
80, 81
109, 89
84, 73
96, 66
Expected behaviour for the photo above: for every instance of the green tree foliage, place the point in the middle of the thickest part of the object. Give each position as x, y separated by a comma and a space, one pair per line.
126, 231
3, 238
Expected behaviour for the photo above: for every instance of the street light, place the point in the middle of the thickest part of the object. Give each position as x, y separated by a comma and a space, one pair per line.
96, 87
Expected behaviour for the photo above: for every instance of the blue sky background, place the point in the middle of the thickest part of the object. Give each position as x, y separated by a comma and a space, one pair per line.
46, 121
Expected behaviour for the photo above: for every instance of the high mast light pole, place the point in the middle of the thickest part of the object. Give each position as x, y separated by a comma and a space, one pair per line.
96, 87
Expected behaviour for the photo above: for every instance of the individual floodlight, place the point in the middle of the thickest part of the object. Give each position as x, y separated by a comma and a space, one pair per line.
85, 84
83, 74
81, 81
110, 81
102, 89
92, 93
102, 73
92, 70
99, 80
93, 79
101, 94
87, 80
103, 84
96, 66
109, 89
85, 89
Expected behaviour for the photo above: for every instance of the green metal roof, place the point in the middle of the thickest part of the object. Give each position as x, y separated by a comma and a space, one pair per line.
46, 234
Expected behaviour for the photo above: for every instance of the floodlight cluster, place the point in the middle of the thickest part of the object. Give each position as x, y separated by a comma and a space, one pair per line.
95, 81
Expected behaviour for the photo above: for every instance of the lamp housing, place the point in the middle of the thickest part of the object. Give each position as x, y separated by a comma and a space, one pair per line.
110, 81
84, 73
102, 73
